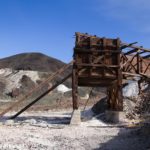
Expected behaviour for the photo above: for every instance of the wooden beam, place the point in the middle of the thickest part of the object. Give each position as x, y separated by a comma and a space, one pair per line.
22, 99
131, 74
131, 51
75, 88
147, 56
147, 68
142, 52
80, 50
39, 98
130, 63
137, 47
96, 65
118, 90
138, 63
125, 46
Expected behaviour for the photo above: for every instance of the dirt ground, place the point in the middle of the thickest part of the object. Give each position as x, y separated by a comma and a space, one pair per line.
50, 130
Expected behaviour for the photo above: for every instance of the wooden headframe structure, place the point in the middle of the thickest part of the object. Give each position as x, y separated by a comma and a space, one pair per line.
107, 62
97, 63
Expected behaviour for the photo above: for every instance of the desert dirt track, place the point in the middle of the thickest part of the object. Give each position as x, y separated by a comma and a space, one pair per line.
51, 130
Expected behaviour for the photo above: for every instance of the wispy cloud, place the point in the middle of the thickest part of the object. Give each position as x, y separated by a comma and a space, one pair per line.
134, 13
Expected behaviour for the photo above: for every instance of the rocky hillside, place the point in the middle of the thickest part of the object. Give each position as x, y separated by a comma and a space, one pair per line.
21, 73
31, 61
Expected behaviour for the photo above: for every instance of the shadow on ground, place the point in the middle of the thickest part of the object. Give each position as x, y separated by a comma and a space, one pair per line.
39, 119
137, 139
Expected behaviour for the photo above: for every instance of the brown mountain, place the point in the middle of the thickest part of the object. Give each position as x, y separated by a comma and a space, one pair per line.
31, 61
39, 62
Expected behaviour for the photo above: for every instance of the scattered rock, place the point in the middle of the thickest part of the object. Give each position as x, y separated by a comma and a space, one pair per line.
62, 88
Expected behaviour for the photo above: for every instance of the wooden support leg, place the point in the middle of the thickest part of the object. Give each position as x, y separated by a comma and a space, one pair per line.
112, 98
108, 98
115, 100
115, 104
75, 89
118, 88
119, 96
139, 86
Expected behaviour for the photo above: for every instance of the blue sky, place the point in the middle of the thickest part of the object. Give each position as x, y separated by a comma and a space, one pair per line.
48, 26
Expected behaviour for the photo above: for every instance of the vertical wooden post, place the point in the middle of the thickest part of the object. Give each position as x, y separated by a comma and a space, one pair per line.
112, 97
75, 88
115, 98
138, 63
141, 65
139, 71
119, 104
90, 56
75, 79
104, 46
123, 69
139, 86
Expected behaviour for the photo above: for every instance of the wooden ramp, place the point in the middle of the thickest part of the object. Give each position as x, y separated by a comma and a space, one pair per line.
25, 97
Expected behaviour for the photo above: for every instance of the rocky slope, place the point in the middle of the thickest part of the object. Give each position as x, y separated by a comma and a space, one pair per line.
31, 61
19, 74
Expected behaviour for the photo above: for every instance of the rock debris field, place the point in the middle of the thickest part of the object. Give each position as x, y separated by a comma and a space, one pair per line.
51, 131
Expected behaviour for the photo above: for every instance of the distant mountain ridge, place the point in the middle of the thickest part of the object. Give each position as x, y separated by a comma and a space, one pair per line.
31, 61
